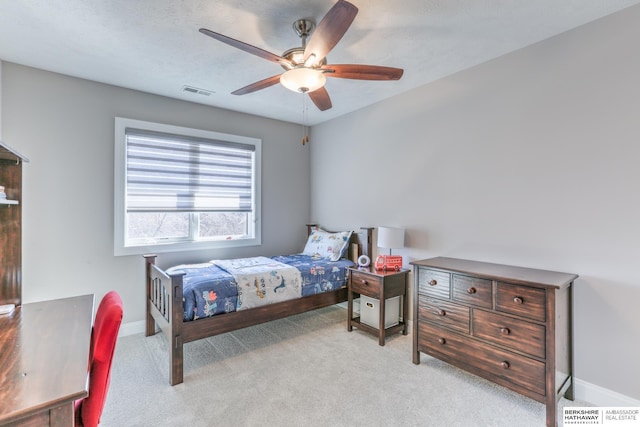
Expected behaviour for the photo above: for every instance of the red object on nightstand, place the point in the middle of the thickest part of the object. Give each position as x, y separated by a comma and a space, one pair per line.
388, 262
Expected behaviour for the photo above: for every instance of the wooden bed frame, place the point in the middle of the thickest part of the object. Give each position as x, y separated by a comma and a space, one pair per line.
165, 308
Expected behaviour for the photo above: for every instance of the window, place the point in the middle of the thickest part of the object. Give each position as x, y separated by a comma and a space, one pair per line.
183, 189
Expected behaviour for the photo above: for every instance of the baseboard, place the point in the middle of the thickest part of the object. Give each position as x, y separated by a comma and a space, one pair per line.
600, 396
131, 328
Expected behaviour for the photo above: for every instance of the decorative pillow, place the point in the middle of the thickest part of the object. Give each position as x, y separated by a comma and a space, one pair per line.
322, 244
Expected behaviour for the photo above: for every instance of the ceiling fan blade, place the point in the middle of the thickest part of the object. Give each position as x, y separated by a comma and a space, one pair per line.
362, 72
262, 84
247, 47
330, 30
320, 97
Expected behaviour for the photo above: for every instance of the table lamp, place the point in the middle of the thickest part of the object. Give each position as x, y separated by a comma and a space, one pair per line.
390, 238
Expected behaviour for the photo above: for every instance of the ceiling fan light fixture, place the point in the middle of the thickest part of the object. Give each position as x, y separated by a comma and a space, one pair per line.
295, 56
306, 66
310, 60
303, 79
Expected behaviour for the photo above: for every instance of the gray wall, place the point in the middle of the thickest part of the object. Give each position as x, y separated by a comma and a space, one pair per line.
530, 159
65, 126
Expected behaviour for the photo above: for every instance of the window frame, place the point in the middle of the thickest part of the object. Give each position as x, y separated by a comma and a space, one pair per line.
120, 170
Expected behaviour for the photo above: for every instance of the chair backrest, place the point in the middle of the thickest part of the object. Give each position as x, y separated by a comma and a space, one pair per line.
103, 345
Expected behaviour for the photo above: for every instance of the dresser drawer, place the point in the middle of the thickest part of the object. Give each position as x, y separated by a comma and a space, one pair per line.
366, 284
498, 365
472, 290
444, 313
516, 334
521, 300
434, 283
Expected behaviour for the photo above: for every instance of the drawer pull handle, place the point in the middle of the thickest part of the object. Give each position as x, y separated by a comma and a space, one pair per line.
442, 341
504, 331
505, 364
364, 282
433, 282
442, 313
518, 300
471, 291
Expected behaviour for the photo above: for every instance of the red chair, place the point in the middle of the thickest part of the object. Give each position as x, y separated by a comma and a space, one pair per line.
103, 344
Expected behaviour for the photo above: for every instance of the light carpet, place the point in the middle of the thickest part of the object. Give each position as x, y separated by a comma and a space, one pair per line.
305, 370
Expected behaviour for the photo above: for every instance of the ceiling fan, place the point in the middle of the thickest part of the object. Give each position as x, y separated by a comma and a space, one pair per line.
306, 66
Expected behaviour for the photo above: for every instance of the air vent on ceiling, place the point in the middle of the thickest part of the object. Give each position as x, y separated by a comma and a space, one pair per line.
196, 90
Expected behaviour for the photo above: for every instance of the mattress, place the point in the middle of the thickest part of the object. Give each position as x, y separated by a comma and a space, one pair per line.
214, 288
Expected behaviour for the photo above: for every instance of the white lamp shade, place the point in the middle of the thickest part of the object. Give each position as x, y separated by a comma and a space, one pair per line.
303, 79
390, 237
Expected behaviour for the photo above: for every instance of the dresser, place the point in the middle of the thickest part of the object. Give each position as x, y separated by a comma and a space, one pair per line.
510, 325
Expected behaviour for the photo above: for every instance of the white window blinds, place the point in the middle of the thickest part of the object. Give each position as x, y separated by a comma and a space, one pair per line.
176, 173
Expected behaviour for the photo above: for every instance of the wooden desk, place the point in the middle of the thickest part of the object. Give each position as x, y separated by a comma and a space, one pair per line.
44, 359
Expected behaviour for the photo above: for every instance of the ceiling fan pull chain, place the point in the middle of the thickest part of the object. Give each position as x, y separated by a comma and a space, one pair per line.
305, 128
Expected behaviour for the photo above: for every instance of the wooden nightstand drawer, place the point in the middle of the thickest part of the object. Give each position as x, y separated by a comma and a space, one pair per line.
472, 290
444, 313
366, 284
521, 300
506, 331
434, 283
497, 365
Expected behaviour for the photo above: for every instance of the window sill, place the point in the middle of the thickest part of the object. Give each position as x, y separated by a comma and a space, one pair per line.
184, 246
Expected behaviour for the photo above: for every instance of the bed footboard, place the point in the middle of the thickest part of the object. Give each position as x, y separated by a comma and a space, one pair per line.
164, 309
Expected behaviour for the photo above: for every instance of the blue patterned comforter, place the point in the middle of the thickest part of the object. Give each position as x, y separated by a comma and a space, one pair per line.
209, 289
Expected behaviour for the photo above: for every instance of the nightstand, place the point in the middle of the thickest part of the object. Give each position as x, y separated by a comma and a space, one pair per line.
379, 285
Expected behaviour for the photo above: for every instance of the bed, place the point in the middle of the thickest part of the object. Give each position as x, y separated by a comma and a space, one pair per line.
194, 301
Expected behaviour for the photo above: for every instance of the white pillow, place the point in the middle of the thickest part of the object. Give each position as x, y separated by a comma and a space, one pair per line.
322, 244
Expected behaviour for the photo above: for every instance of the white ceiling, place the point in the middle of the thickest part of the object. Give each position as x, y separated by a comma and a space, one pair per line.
154, 45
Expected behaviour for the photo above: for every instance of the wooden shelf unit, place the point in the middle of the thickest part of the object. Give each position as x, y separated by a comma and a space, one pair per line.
11, 226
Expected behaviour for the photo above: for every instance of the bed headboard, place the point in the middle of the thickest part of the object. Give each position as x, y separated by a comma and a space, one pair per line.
360, 244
